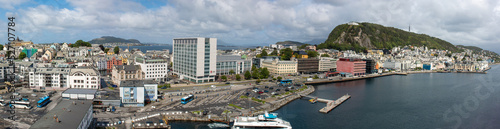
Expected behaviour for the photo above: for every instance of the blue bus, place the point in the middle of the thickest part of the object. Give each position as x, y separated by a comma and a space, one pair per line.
286, 82
187, 99
43, 101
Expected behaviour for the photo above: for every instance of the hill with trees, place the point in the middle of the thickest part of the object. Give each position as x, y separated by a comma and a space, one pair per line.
111, 39
373, 36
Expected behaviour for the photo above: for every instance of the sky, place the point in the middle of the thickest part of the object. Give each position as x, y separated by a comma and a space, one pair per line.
247, 22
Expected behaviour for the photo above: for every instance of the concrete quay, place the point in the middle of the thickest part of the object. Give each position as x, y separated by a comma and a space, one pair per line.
352, 78
332, 104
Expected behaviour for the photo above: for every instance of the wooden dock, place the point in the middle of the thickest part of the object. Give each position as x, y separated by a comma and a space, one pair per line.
330, 104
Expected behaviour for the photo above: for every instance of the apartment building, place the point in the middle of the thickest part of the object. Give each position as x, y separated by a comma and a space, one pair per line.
48, 77
154, 68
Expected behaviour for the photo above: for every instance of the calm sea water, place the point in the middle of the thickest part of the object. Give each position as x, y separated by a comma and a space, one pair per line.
430, 100
169, 47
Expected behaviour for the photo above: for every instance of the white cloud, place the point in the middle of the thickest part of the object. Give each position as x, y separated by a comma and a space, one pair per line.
9, 4
263, 21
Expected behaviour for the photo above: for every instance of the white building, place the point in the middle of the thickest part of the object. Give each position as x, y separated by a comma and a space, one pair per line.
327, 64
48, 77
195, 59
134, 93
86, 78
153, 68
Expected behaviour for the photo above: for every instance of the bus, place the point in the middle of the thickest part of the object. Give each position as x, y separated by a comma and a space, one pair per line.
20, 106
43, 101
187, 99
286, 82
20, 102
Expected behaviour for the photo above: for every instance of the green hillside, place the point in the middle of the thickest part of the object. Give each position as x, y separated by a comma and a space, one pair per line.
291, 43
373, 36
111, 39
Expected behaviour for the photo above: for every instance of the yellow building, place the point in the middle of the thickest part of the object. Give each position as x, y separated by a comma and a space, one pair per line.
124, 60
110, 52
280, 67
373, 52
18, 43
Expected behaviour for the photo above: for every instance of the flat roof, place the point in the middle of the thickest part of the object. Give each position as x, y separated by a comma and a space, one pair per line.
69, 114
79, 91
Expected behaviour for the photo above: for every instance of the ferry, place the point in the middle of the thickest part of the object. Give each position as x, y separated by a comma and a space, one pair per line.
265, 121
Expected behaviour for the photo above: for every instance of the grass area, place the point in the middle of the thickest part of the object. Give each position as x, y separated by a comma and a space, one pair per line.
197, 112
226, 111
258, 100
243, 97
112, 88
236, 106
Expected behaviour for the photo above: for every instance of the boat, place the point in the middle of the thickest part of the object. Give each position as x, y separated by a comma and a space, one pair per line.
218, 125
267, 120
313, 100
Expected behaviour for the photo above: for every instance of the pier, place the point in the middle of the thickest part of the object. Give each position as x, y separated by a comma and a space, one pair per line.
330, 104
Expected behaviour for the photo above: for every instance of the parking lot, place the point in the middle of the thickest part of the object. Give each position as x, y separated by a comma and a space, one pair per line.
26, 116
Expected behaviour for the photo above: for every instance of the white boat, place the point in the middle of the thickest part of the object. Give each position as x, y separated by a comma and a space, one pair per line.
218, 125
266, 121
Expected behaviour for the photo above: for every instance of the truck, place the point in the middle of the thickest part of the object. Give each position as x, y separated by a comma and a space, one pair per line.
309, 79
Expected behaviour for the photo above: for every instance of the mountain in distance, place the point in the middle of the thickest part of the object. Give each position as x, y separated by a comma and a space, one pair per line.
291, 43
315, 41
478, 50
114, 40
373, 36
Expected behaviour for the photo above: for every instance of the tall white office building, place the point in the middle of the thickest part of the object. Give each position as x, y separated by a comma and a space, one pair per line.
195, 59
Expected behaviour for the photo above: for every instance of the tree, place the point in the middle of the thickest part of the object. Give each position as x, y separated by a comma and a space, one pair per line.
264, 73
1, 46
255, 74
224, 78
325, 55
81, 43
106, 50
22, 55
279, 78
238, 77
263, 53
479, 60
248, 75
274, 53
102, 47
316, 77
296, 55
231, 72
253, 67
258, 81
116, 50
303, 46
312, 53
286, 53
258, 56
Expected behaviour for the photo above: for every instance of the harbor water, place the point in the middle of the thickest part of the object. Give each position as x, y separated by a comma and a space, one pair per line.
426, 100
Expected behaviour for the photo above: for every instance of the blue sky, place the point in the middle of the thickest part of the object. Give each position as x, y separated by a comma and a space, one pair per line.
247, 22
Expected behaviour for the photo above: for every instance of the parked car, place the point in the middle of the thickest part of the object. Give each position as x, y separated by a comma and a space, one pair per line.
260, 92
266, 91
